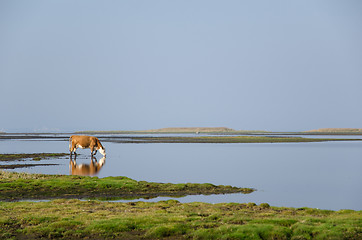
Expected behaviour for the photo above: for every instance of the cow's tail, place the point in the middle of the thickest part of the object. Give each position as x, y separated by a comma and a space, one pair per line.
70, 143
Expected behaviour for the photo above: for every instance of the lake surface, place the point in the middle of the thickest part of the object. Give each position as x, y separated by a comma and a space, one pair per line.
325, 175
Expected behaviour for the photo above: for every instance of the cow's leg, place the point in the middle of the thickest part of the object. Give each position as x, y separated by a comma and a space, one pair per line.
93, 150
72, 149
75, 149
73, 159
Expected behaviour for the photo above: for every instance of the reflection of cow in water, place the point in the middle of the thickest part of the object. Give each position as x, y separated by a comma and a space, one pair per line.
86, 169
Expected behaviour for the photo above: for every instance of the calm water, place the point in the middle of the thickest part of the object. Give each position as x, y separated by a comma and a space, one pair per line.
320, 175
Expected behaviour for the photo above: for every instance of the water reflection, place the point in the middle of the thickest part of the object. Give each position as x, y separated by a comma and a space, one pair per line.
86, 169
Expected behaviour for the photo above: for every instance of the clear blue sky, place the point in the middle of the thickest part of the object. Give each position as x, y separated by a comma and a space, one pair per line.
134, 65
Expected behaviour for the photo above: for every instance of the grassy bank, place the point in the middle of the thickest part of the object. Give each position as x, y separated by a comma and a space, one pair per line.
74, 219
16, 186
231, 139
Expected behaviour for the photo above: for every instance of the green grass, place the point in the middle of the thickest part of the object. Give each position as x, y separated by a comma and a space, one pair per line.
14, 186
74, 219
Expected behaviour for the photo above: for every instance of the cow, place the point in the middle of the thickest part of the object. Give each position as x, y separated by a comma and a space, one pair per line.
78, 141
86, 169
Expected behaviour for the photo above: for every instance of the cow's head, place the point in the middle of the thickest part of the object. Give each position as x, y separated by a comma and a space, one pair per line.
102, 151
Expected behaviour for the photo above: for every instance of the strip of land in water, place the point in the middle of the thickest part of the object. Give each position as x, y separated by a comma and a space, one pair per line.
230, 131
227, 139
33, 156
27, 165
177, 130
188, 130
74, 219
17, 186
28, 156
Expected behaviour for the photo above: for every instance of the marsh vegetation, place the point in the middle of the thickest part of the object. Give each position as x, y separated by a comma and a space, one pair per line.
74, 219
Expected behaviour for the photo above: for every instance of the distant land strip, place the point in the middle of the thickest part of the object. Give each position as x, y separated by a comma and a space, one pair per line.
230, 131
205, 130
226, 139
336, 130
178, 130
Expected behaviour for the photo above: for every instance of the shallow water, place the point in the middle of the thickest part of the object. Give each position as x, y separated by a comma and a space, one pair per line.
324, 175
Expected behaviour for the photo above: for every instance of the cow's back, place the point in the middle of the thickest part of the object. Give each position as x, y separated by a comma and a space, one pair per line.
84, 141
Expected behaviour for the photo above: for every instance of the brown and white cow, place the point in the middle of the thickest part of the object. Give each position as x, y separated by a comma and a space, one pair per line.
78, 141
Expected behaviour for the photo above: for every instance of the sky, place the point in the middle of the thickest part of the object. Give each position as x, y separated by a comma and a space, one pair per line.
134, 65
